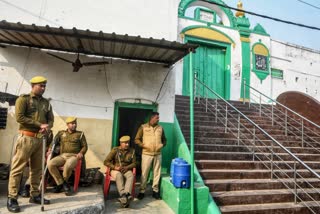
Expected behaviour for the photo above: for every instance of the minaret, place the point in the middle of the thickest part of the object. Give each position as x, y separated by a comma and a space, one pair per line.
239, 6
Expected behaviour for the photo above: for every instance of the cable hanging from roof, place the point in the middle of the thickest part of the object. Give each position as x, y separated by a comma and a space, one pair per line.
263, 16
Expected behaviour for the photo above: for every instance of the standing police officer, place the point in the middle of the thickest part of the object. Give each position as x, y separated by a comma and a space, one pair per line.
35, 118
151, 138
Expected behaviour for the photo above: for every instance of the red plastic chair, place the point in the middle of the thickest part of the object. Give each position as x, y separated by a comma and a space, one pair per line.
77, 173
108, 180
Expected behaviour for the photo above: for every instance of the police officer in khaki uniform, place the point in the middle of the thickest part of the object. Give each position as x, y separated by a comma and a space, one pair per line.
151, 138
35, 118
73, 147
122, 160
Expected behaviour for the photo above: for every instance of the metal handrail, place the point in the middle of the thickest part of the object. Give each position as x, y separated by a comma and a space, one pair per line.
257, 151
296, 113
262, 130
302, 131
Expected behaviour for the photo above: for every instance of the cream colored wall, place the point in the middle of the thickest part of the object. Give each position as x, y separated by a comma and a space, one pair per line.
98, 133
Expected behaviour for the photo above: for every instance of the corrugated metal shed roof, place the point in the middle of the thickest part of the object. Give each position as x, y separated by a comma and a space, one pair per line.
94, 43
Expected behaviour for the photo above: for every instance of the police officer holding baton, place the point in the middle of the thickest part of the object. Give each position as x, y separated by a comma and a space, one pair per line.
35, 117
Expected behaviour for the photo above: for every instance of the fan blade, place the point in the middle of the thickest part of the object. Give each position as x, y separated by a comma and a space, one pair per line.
58, 57
95, 63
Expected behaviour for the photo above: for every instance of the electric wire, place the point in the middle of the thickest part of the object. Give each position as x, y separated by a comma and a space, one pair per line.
263, 16
30, 13
309, 4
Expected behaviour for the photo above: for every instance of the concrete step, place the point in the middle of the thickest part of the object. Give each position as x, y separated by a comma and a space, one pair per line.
241, 148
251, 174
236, 164
272, 208
233, 141
220, 185
262, 196
205, 155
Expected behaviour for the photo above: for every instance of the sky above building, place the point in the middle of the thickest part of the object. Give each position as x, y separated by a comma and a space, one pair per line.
290, 10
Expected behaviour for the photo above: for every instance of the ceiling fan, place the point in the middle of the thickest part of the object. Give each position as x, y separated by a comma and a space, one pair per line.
77, 64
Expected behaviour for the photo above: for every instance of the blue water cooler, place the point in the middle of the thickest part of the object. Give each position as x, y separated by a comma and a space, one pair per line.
180, 173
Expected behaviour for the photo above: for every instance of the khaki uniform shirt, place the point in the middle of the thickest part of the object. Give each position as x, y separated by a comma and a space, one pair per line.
74, 142
151, 139
121, 157
32, 111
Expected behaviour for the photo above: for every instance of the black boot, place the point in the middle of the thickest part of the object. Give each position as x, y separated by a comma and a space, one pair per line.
66, 188
25, 193
37, 200
58, 188
156, 195
12, 205
123, 200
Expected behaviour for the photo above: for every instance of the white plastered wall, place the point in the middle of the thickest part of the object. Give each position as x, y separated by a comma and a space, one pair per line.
148, 18
300, 67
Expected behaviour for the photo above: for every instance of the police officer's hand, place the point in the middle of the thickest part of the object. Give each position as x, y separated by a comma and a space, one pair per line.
49, 152
44, 128
79, 156
124, 169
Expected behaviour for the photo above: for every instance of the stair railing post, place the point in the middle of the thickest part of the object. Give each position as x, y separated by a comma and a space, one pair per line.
254, 142
238, 129
260, 105
191, 106
272, 116
295, 181
226, 124
271, 161
216, 118
244, 91
206, 100
286, 123
195, 86
302, 132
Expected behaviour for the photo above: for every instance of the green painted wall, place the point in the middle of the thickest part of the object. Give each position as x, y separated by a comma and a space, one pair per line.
167, 152
245, 69
179, 199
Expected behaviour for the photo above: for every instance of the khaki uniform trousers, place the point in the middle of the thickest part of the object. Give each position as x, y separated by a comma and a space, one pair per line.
146, 162
26, 149
68, 160
123, 186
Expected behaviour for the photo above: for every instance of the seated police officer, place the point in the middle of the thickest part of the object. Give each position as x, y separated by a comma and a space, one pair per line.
121, 160
73, 146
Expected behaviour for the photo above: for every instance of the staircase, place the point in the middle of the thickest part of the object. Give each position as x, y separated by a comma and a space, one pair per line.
239, 181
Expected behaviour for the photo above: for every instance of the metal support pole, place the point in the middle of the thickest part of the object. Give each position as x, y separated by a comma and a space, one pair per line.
271, 162
244, 91
195, 85
206, 100
44, 143
295, 181
216, 118
286, 123
238, 129
254, 142
260, 105
302, 132
272, 116
226, 123
191, 79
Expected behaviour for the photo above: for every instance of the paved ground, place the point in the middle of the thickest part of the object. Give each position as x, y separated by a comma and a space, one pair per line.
88, 200
147, 205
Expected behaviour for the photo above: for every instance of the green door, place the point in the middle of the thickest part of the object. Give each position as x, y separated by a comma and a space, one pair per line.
209, 64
